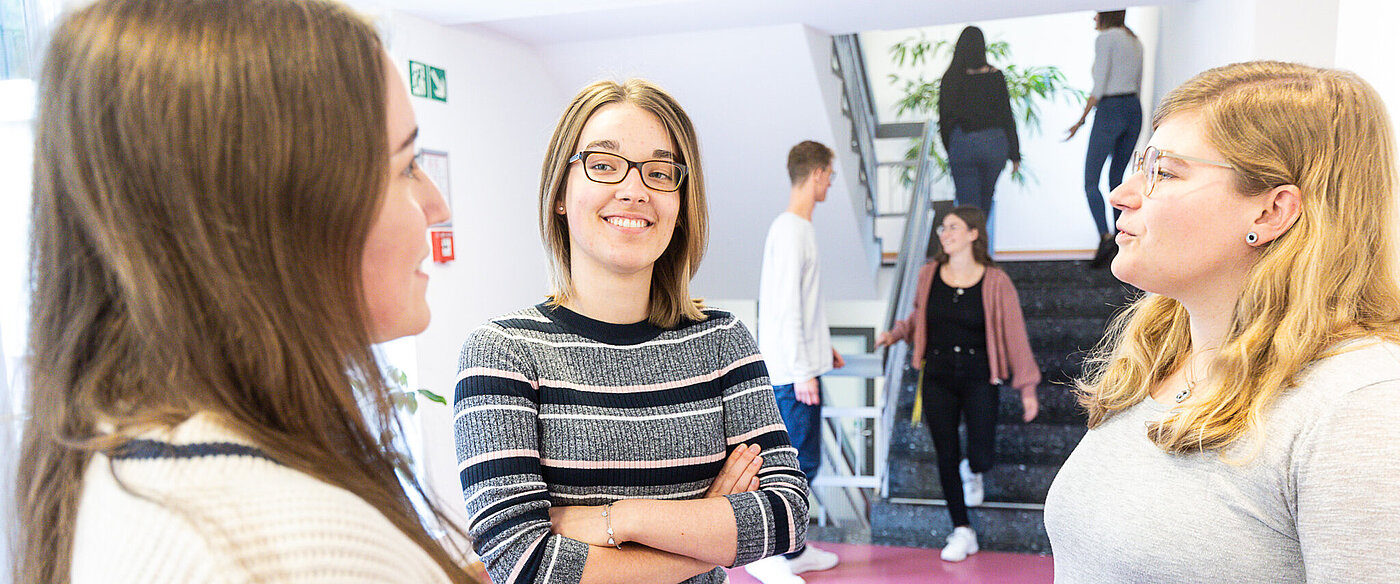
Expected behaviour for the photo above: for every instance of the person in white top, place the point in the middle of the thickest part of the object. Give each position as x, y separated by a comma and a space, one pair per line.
228, 214
1118, 123
793, 335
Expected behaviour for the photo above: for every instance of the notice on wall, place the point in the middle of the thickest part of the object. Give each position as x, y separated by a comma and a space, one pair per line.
427, 81
434, 165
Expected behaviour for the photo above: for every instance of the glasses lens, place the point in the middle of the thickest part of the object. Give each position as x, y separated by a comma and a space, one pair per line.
604, 168
662, 175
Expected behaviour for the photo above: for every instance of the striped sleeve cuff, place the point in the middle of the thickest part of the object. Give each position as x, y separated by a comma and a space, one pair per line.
765, 525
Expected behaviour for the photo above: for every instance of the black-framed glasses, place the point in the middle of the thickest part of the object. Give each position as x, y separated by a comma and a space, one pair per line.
610, 169
1150, 160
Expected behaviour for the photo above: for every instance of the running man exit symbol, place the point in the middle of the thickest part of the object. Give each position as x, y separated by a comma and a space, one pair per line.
437, 83
427, 81
418, 79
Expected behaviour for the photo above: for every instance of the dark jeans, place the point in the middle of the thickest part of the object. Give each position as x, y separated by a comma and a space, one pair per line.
804, 427
956, 388
1117, 123
976, 159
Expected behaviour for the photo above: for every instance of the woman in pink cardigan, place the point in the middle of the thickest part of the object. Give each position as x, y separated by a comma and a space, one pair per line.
968, 337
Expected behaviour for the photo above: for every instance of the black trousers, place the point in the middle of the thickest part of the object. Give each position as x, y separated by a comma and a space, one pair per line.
956, 388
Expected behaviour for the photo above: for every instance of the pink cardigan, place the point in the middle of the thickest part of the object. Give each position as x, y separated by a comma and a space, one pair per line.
1008, 347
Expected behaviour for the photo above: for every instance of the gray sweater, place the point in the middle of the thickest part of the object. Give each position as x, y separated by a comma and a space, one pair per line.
1319, 502
554, 408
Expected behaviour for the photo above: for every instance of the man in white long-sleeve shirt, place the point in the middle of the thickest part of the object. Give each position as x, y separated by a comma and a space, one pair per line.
793, 336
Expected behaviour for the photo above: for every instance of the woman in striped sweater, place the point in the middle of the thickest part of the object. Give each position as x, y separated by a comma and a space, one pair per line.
618, 432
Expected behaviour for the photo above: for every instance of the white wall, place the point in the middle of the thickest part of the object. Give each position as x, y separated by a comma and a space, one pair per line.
1367, 44
1199, 35
1203, 34
1049, 211
752, 94
500, 112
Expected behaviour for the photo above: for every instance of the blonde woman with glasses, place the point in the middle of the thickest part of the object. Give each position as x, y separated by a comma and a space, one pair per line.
618, 431
1244, 414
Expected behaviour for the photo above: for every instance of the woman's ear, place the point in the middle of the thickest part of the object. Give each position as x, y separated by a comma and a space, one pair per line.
1280, 208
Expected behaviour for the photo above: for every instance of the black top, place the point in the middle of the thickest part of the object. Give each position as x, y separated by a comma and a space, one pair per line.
976, 102
609, 333
955, 316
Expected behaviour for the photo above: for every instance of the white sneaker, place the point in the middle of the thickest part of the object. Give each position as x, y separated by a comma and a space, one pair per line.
961, 544
972, 485
774, 570
813, 559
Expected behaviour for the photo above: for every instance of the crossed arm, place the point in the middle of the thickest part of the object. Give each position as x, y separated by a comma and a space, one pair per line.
663, 540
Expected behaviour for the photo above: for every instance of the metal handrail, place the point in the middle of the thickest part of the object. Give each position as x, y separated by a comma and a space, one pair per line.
911, 258
860, 106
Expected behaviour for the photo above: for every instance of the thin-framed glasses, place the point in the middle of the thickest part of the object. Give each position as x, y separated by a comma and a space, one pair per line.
1150, 160
609, 169
941, 229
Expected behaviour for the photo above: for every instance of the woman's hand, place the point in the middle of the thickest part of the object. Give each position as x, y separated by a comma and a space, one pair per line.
583, 523
884, 340
1030, 406
1074, 129
740, 472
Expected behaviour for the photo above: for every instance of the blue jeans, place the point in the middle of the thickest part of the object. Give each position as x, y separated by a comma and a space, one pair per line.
804, 427
1117, 124
975, 160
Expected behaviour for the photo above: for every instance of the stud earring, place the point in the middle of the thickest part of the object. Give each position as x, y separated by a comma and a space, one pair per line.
561, 208
1252, 238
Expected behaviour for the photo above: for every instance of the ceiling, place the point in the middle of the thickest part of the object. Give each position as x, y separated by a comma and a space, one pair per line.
543, 22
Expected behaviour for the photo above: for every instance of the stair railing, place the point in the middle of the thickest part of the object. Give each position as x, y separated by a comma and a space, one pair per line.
912, 248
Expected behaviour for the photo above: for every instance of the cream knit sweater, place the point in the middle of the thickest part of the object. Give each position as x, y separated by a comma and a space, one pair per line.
196, 503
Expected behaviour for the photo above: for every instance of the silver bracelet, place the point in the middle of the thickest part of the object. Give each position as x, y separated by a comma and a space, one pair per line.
607, 518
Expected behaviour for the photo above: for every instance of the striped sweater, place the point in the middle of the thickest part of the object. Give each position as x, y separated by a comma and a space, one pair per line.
554, 408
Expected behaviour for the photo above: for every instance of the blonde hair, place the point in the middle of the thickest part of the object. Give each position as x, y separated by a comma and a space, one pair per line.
206, 174
1320, 283
670, 300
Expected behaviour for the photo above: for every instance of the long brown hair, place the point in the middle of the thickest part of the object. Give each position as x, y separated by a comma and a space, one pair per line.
670, 300
1320, 283
206, 173
975, 218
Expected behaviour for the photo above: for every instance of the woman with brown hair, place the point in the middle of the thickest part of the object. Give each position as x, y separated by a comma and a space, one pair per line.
1117, 123
227, 214
618, 431
1244, 414
968, 338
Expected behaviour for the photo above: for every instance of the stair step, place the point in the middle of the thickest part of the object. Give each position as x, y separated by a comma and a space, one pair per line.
1097, 302
1064, 334
1003, 483
1058, 405
1016, 443
1059, 274
927, 525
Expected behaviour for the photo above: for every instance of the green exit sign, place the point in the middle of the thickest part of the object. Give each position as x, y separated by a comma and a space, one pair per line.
427, 81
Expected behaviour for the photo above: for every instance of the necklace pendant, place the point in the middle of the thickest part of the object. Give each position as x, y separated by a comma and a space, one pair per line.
1183, 394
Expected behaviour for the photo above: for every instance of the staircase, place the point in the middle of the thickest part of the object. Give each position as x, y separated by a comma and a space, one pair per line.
1067, 306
